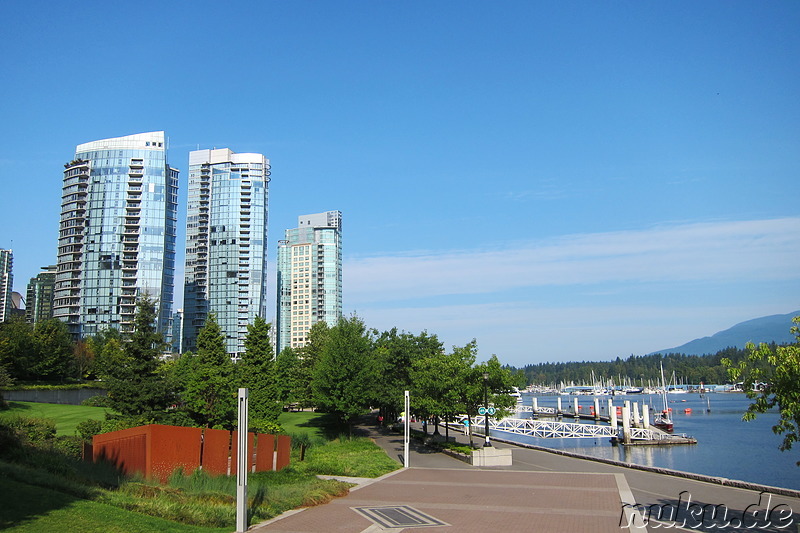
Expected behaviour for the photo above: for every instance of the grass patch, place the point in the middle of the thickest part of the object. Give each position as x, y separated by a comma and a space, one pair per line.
210, 501
315, 425
50, 490
347, 456
31, 509
66, 417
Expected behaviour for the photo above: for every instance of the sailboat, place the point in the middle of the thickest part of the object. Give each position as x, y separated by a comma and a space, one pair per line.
662, 419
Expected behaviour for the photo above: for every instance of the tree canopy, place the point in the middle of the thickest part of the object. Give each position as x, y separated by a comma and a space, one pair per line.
256, 371
343, 371
210, 395
771, 377
136, 385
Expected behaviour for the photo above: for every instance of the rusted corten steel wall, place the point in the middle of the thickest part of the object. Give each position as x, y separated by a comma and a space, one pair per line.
265, 455
235, 451
283, 452
216, 451
156, 451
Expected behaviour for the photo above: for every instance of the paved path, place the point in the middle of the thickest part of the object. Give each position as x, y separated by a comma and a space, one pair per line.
540, 492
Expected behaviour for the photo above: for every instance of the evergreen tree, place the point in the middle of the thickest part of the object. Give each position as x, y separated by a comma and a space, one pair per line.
210, 395
257, 372
288, 377
136, 387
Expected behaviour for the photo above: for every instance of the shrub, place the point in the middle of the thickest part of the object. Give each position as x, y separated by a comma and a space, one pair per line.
89, 428
9, 442
261, 425
69, 445
100, 400
33, 431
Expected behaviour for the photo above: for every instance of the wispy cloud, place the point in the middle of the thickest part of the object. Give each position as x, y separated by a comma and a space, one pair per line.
546, 189
522, 332
765, 250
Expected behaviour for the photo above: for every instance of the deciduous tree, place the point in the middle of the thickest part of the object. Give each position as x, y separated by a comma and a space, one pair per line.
771, 377
341, 375
394, 357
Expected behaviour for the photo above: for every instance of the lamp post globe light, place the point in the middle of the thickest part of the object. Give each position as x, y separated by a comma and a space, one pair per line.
486, 408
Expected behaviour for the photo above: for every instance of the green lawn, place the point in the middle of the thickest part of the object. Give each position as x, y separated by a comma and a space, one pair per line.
67, 417
315, 425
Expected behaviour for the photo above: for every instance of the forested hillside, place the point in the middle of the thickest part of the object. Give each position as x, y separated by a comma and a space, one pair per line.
637, 369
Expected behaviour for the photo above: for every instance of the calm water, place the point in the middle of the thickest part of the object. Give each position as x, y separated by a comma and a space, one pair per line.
727, 447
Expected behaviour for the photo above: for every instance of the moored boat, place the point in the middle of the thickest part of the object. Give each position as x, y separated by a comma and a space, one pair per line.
663, 420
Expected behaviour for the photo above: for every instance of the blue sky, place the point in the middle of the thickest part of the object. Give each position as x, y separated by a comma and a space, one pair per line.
560, 181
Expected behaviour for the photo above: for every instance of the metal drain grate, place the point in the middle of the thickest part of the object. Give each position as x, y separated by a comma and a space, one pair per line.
402, 516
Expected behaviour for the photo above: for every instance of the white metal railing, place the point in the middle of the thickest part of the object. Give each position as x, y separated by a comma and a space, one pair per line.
549, 429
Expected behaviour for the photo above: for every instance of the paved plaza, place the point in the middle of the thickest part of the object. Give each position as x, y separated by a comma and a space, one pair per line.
541, 492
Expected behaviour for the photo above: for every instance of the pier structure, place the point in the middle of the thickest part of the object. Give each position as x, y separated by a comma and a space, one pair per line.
626, 424
553, 429
597, 412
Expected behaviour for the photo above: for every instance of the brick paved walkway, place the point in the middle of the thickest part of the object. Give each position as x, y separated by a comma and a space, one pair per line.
469, 500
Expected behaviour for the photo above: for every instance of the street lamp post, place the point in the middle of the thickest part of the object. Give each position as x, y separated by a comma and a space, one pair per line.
486, 407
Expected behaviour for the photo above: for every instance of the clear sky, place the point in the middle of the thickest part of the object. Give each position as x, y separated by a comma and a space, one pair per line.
559, 180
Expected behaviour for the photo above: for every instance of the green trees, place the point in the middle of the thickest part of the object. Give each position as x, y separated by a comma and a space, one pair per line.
307, 358
40, 353
395, 354
436, 379
256, 371
771, 377
210, 395
54, 357
343, 372
17, 348
448, 384
637, 369
288, 377
136, 385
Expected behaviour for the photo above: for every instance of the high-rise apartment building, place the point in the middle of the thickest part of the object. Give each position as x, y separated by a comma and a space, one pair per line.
309, 277
117, 232
6, 283
226, 252
39, 296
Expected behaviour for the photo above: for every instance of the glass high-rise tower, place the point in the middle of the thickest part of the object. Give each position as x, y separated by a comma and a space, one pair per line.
6, 283
309, 277
39, 296
116, 239
226, 236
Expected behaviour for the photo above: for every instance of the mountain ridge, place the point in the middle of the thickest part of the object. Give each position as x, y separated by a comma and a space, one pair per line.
771, 328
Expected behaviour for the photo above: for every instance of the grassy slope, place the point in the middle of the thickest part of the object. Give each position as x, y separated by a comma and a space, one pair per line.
67, 417
27, 508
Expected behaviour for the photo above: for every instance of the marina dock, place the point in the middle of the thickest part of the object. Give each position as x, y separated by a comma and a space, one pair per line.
627, 425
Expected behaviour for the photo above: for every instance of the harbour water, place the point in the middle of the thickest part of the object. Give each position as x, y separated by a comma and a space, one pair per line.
727, 447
